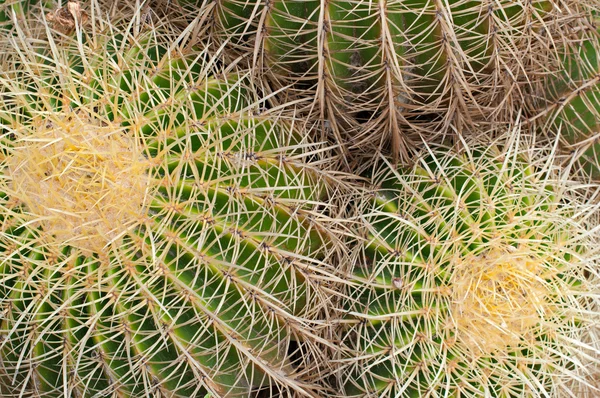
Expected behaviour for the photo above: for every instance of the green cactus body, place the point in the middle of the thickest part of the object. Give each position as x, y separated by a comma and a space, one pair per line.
473, 281
159, 235
407, 63
572, 102
353, 30
290, 46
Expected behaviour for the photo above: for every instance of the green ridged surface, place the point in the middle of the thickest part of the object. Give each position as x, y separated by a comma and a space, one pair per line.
572, 100
206, 291
471, 281
381, 73
356, 27
353, 42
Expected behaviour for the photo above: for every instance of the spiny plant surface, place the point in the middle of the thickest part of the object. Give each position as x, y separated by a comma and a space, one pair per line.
20, 10
160, 233
568, 104
383, 72
7, 8
478, 277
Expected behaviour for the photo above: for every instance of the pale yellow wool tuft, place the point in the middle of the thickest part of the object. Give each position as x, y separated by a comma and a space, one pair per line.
497, 299
82, 180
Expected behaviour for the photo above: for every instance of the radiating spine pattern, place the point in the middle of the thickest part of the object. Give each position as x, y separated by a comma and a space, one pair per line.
161, 232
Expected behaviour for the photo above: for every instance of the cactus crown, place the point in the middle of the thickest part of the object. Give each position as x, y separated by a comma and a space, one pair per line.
497, 298
83, 181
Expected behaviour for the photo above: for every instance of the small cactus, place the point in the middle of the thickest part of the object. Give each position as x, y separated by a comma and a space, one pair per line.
478, 277
160, 232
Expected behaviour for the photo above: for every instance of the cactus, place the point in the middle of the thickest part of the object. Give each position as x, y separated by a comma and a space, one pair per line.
478, 277
161, 233
568, 104
387, 71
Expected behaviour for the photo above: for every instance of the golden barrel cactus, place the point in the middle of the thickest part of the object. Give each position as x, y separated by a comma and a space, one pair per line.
477, 277
161, 232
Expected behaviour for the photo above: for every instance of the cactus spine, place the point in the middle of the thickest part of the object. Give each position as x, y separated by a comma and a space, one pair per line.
569, 104
159, 233
389, 71
478, 278
20, 11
